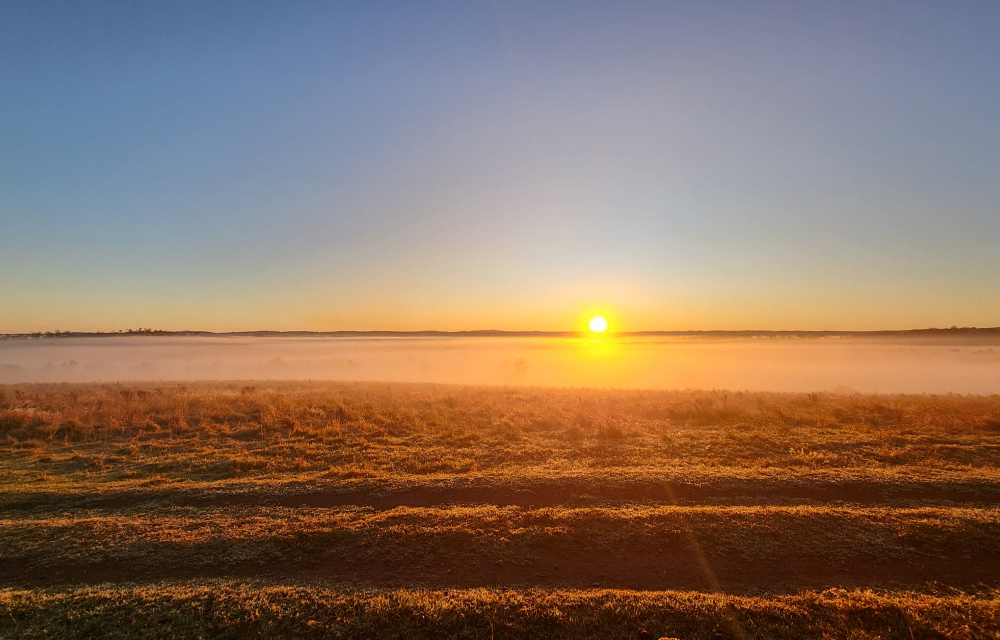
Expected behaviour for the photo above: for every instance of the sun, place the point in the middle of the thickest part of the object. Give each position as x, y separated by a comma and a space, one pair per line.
598, 324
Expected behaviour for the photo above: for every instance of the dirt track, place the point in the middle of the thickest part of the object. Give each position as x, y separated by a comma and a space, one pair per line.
681, 565
677, 568
747, 492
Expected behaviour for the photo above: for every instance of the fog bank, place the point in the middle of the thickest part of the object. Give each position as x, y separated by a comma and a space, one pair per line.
758, 364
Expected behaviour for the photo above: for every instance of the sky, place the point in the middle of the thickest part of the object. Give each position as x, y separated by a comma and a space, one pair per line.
499, 165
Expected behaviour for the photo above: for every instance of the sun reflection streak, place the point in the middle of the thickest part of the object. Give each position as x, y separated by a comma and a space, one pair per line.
713, 582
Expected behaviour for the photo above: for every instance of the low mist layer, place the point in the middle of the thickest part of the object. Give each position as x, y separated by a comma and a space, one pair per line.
965, 365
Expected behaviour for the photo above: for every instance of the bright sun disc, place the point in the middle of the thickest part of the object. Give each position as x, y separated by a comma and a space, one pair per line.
598, 324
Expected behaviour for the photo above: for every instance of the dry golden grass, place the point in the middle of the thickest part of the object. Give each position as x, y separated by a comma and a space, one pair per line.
218, 432
226, 535
386, 490
261, 610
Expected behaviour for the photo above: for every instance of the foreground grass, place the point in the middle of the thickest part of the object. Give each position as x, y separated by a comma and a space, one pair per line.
261, 610
57, 437
378, 511
145, 538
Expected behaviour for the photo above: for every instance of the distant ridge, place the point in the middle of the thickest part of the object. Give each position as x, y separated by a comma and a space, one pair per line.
496, 333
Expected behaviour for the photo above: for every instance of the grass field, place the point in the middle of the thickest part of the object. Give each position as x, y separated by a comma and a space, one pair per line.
370, 510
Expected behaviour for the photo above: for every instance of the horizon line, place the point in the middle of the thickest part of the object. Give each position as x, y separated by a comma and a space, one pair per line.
497, 333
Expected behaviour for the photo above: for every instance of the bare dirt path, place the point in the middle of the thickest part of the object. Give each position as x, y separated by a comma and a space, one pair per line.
986, 494
679, 568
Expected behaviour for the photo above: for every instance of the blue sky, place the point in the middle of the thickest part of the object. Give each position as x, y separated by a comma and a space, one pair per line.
462, 165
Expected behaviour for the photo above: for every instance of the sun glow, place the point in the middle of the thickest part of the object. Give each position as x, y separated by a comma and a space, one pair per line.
598, 324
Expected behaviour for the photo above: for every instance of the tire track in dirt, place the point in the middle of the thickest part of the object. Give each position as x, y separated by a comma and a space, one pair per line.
621, 569
538, 496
